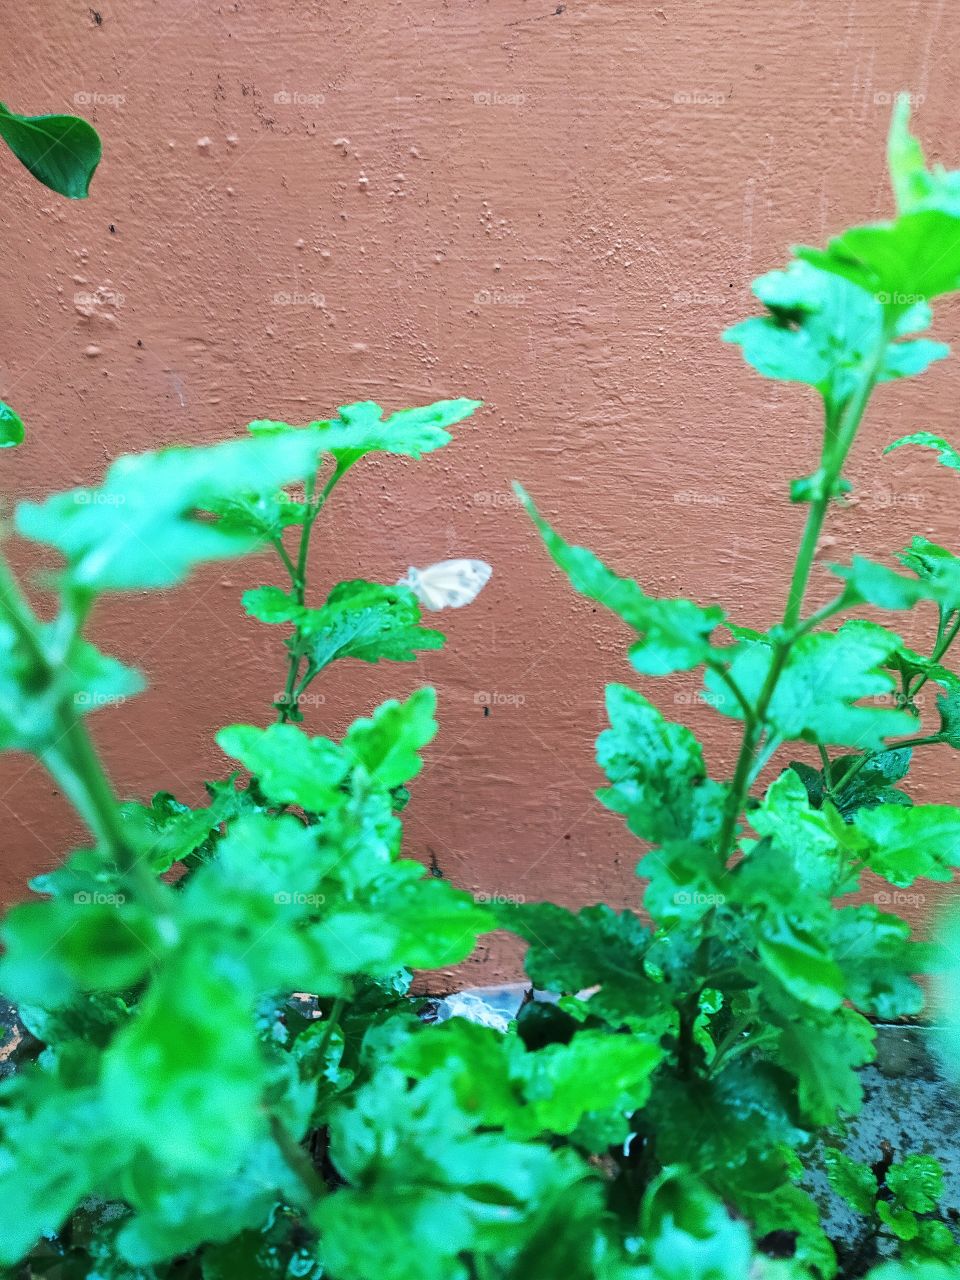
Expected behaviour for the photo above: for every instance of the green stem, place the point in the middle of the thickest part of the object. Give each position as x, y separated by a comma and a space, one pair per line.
333, 1021
288, 710
839, 433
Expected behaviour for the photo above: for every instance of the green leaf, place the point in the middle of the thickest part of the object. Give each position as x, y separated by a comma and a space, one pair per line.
825, 675
910, 260
62, 152
387, 745
675, 633
903, 844
689, 1232
656, 771
11, 427
873, 949
900, 1221
814, 842
914, 185
527, 1093
821, 330
800, 961
412, 432
917, 1183
143, 527
871, 784
825, 1058
93, 942
876, 584
272, 605
416, 1168
855, 1182
596, 947
183, 1081
366, 621
290, 766
947, 454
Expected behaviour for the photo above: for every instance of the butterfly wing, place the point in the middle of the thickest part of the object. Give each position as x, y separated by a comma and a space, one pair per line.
449, 584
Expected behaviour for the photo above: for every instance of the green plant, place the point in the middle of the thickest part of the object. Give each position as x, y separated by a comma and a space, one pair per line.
761, 969
181, 1112
898, 1201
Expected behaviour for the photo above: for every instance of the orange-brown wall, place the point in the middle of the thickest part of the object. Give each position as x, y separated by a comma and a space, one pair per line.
554, 207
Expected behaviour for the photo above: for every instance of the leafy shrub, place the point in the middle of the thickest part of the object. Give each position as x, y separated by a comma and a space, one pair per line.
180, 1111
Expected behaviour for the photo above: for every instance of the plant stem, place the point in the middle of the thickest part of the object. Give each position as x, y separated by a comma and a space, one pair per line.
839, 433
332, 1022
287, 710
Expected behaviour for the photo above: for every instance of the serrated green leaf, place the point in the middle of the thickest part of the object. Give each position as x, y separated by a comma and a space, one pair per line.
904, 844
675, 633
916, 1182
821, 330
387, 745
528, 1093
855, 1182
92, 942
825, 676
272, 605
60, 151
873, 949
903, 262
597, 946
142, 528
947, 455
412, 432
366, 621
658, 779
290, 766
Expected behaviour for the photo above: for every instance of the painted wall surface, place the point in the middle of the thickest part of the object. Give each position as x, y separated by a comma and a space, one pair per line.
554, 207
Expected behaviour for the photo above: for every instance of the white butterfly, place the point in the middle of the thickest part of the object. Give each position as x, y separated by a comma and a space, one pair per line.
449, 584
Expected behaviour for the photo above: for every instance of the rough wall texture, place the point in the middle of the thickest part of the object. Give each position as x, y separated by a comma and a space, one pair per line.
556, 207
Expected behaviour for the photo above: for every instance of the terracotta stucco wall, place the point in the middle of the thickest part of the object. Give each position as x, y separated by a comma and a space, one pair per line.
556, 207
